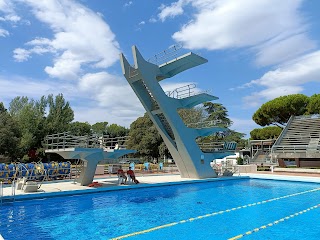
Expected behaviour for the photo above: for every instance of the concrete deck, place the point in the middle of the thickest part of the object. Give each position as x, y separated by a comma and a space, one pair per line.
69, 187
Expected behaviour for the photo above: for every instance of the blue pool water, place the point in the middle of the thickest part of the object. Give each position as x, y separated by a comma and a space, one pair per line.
212, 210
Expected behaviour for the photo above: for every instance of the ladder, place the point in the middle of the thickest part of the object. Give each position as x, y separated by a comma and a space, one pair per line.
79, 166
8, 198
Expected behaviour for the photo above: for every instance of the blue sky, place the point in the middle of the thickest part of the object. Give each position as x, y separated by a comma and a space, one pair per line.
256, 51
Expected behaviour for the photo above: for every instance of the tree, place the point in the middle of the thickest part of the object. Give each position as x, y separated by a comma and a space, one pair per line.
217, 112
9, 134
99, 127
314, 104
278, 111
60, 114
30, 118
271, 132
192, 115
80, 128
115, 130
144, 137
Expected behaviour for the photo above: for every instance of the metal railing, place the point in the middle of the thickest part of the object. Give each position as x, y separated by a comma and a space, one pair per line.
204, 124
166, 55
314, 116
66, 140
185, 91
7, 198
217, 146
292, 148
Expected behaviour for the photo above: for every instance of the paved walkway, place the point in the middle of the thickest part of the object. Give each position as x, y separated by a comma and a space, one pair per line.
110, 183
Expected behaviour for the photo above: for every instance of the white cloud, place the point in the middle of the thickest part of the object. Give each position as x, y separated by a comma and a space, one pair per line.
3, 33
286, 79
263, 26
82, 43
175, 9
21, 55
81, 38
6, 6
280, 51
112, 92
98, 97
152, 20
142, 23
7, 14
128, 4
13, 86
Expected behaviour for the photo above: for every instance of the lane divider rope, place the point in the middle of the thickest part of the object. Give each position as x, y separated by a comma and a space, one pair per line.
274, 223
212, 214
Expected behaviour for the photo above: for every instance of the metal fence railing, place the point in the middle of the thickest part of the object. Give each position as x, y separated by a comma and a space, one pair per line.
185, 91
166, 55
66, 140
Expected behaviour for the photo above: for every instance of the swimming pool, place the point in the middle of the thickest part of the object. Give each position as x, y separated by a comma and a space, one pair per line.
243, 208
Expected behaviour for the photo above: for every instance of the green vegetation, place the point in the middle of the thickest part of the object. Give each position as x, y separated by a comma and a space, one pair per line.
145, 138
271, 132
26, 123
278, 111
9, 133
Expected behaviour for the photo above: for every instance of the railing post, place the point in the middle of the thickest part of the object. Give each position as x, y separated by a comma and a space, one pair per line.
64, 138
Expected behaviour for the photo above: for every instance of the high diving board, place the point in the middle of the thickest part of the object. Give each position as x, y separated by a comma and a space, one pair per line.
180, 64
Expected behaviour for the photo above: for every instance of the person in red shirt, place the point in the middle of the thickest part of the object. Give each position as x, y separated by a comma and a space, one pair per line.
132, 176
121, 174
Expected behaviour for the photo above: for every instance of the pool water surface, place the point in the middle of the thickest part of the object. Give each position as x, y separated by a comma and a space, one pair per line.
243, 208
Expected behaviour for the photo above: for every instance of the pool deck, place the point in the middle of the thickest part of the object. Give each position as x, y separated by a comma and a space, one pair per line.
110, 183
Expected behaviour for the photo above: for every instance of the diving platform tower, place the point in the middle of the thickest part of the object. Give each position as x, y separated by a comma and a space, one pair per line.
144, 78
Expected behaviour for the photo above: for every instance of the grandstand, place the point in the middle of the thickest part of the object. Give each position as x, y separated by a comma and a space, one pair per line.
299, 142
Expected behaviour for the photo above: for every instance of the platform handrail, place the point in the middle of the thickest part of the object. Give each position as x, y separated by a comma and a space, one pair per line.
66, 140
204, 124
165, 55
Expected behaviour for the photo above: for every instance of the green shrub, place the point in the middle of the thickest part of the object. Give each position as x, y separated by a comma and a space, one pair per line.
239, 161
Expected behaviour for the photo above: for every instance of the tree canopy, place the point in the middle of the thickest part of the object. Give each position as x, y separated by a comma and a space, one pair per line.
314, 104
271, 132
115, 130
9, 134
60, 114
217, 112
144, 137
79, 128
99, 127
278, 111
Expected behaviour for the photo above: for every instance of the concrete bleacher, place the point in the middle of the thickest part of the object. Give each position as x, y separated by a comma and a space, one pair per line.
300, 141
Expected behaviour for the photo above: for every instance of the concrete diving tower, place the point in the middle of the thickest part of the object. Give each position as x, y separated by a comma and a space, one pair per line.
180, 139
90, 149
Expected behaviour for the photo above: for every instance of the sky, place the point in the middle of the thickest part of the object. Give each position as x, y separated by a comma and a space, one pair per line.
256, 51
